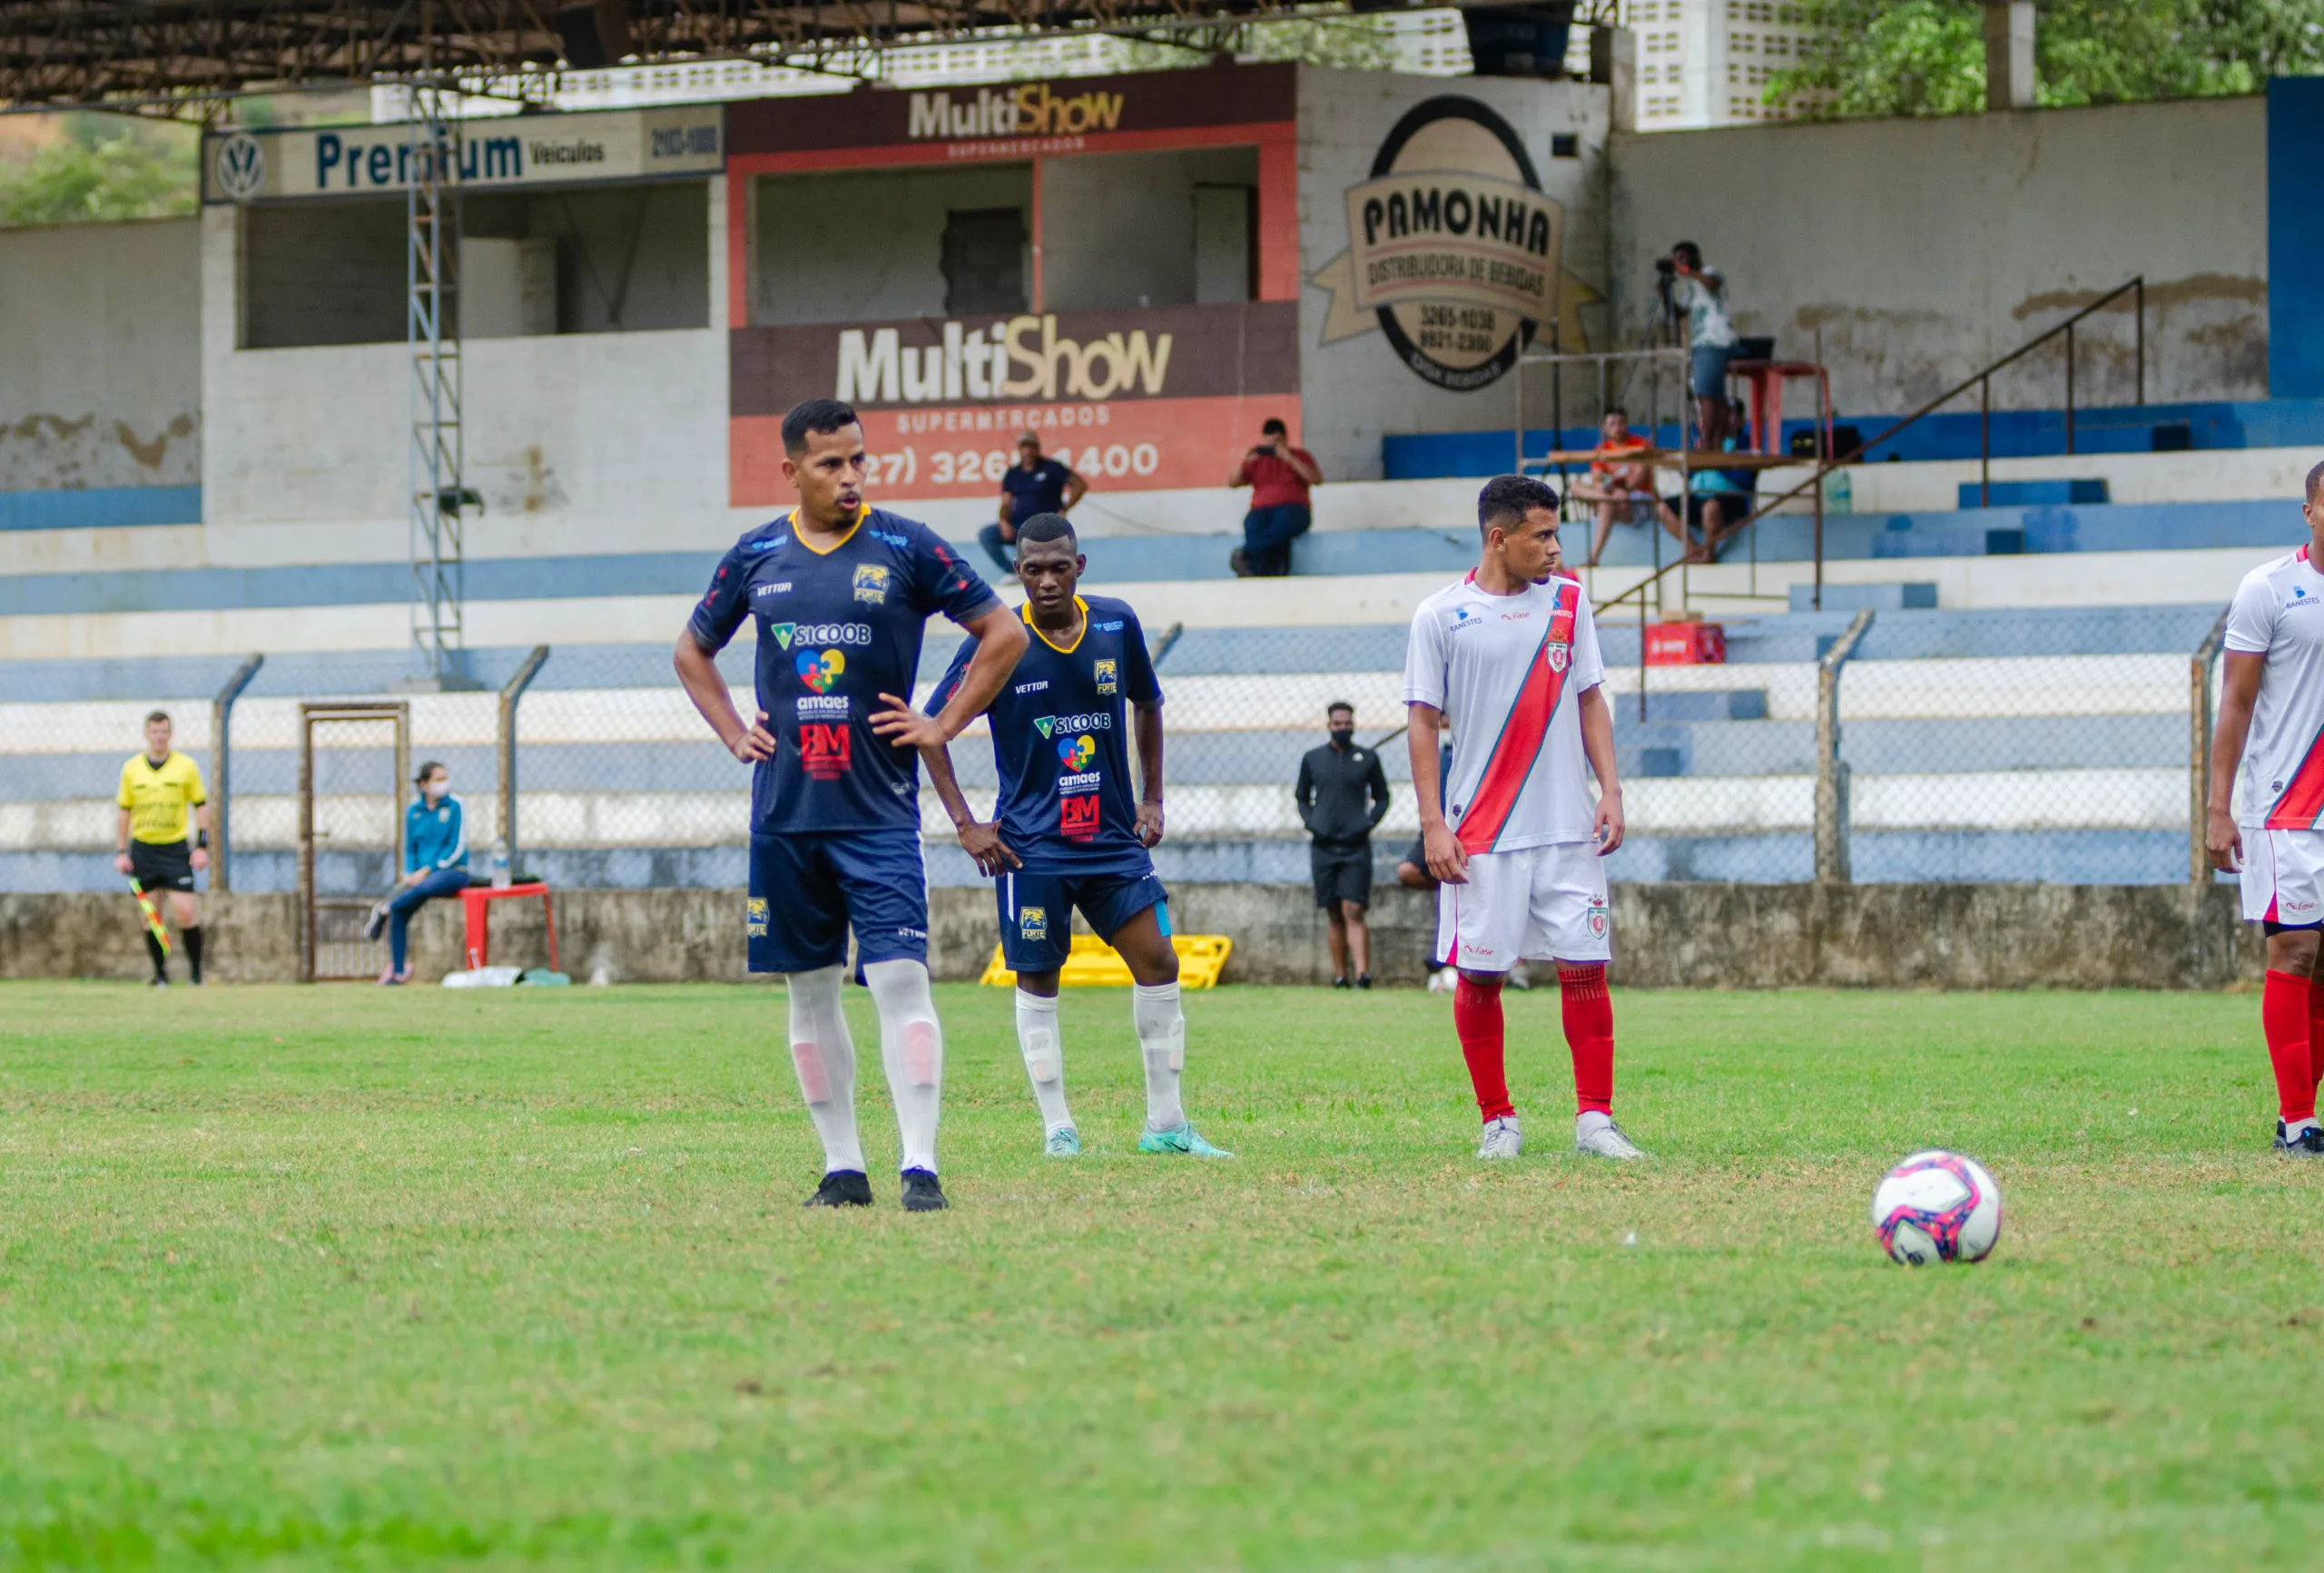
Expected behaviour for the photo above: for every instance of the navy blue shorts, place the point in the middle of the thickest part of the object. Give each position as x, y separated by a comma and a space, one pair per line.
808, 890
1036, 911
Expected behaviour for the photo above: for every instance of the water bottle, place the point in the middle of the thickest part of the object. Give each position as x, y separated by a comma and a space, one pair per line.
1839, 493
500, 863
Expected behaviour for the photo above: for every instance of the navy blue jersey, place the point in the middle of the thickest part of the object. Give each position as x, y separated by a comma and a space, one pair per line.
1060, 741
836, 629
1038, 490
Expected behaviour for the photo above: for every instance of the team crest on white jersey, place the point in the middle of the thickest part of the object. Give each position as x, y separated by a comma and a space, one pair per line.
1557, 653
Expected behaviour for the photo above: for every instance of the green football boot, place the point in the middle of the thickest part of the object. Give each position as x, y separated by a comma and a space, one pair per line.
1185, 1139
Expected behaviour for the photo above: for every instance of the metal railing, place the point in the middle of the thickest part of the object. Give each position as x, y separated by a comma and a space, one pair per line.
505, 742
1981, 379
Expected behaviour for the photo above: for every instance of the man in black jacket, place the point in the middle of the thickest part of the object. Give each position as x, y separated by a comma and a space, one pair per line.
1343, 791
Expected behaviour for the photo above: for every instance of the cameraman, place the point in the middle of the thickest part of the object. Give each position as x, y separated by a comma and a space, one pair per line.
1279, 476
1699, 293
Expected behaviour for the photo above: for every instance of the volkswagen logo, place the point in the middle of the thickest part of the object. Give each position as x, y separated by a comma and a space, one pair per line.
239, 166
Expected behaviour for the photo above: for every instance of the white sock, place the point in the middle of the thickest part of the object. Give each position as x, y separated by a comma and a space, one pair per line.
1162, 1038
1043, 1046
2293, 1127
824, 1057
911, 1047
1590, 1120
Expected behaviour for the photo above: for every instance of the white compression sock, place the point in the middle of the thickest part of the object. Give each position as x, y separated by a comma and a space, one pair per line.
1162, 1039
911, 1047
1043, 1046
824, 1057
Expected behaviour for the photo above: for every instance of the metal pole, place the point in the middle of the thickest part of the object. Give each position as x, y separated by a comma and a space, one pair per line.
2198, 751
221, 767
402, 719
2139, 287
2068, 390
1831, 770
305, 844
509, 695
432, 344
1985, 442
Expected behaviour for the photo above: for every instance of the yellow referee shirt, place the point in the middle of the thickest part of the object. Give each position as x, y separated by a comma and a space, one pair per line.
160, 798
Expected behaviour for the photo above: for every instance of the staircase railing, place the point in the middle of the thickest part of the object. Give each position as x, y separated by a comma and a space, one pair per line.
1981, 379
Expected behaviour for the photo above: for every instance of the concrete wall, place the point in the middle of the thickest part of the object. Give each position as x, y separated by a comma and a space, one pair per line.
1353, 388
617, 437
1684, 936
100, 356
1922, 249
864, 245
1118, 230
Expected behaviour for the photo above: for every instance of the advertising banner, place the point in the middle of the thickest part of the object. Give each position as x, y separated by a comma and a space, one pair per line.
1014, 120
512, 150
1134, 400
1453, 250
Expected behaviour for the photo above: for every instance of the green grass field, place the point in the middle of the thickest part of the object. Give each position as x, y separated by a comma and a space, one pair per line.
336, 1278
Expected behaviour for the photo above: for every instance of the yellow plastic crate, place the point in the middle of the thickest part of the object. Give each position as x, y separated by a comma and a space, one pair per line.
1095, 964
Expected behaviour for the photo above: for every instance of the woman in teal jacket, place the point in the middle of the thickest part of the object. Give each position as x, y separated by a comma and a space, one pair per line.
435, 863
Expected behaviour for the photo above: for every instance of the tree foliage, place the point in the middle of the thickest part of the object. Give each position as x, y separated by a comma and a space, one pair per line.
103, 169
1928, 56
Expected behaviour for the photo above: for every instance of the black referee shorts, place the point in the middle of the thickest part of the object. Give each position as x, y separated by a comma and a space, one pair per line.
163, 865
1342, 874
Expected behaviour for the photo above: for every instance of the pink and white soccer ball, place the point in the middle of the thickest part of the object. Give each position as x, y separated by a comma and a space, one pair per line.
1936, 1206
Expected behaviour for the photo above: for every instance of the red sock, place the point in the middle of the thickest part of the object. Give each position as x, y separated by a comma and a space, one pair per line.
1590, 1034
1476, 1017
2283, 1016
2316, 1032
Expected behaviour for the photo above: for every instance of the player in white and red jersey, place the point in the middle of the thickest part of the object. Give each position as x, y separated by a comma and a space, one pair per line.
2271, 725
1509, 657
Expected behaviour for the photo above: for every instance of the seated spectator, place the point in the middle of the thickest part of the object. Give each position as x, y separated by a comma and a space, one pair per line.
1720, 503
1033, 485
1620, 491
1279, 476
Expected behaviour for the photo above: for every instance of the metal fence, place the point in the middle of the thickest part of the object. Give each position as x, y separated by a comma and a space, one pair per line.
2060, 746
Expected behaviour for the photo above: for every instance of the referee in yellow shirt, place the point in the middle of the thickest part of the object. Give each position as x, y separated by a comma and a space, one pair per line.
161, 791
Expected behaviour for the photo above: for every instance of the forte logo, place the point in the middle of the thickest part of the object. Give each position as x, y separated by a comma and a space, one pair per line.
1030, 110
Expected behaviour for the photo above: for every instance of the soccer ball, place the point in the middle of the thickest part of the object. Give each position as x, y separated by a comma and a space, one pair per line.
1936, 1206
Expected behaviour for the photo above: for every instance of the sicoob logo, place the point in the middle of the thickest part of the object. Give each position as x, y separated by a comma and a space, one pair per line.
820, 670
1076, 751
786, 635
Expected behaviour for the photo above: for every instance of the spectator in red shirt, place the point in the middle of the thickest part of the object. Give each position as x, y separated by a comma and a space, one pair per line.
1622, 491
1279, 476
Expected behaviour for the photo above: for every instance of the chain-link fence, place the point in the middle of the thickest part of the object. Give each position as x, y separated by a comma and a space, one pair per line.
2041, 744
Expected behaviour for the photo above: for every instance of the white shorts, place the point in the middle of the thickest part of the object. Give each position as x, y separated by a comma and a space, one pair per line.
2283, 876
1533, 904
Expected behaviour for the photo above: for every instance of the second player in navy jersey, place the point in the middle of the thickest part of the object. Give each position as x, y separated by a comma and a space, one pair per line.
1067, 834
840, 593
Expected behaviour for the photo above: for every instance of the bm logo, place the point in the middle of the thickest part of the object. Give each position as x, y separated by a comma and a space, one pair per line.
825, 748
1078, 817
239, 167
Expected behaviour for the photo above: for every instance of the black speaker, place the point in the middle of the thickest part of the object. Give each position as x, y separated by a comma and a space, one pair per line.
593, 36
1518, 40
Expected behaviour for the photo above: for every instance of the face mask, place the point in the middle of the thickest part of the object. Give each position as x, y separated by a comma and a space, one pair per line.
1342, 735
435, 792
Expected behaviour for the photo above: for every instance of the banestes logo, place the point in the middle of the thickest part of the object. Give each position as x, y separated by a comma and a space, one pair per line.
825, 749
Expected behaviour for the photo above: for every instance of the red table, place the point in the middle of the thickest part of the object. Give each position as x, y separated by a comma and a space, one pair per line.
1766, 379
479, 921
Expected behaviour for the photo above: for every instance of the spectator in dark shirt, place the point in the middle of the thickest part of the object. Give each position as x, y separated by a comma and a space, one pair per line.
1279, 476
1033, 485
1342, 793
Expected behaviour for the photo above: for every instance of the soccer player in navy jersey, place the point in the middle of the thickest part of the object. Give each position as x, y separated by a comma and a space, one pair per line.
1065, 834
842, 593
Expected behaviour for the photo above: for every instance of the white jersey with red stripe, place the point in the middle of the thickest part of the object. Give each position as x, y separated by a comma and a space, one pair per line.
1509, 672
2279, 613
